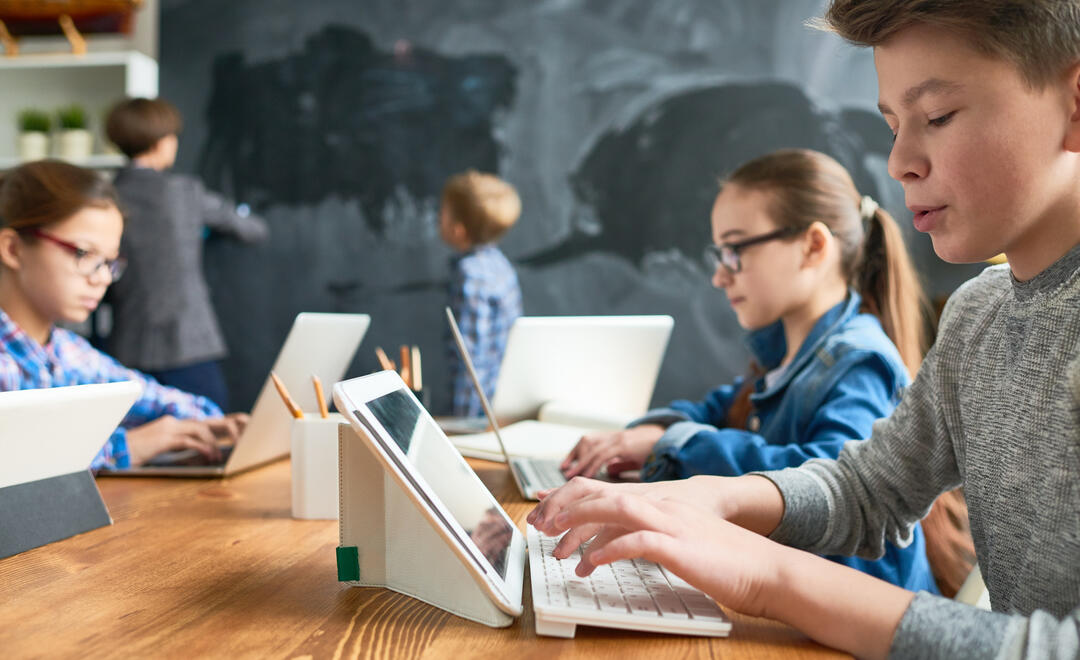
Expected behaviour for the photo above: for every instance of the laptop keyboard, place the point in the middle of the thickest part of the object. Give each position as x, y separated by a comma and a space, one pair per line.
633, 587
542, 473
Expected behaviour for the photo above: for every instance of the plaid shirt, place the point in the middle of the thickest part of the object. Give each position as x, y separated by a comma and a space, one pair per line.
486, 300
68, 359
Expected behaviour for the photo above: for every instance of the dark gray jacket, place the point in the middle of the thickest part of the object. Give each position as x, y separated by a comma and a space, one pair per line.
162, 315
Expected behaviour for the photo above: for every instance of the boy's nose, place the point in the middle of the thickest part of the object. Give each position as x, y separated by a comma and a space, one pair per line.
907, 162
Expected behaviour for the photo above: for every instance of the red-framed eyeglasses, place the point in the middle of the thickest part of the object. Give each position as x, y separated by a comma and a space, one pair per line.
87, 262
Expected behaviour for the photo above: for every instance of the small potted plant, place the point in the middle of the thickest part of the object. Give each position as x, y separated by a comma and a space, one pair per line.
75, 140
33, 140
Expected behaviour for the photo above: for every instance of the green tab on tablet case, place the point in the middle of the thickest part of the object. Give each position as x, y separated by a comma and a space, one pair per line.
348, 563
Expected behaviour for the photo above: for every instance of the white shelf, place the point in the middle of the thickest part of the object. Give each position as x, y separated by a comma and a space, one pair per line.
47, 76
68, 60
49, 81
96, 162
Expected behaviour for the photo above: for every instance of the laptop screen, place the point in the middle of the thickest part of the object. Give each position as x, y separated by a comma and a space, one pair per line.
437, 461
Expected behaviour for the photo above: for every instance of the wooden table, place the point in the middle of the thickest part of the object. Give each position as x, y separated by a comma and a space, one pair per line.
197, 568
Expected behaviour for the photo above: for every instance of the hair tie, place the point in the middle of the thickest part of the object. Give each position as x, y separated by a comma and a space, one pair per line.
867, 208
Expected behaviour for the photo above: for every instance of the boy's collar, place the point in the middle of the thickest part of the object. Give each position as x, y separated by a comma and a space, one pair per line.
484, 247
768, 345
1057, 273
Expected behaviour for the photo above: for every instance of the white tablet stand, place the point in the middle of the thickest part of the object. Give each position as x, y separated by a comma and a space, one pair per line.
387, 541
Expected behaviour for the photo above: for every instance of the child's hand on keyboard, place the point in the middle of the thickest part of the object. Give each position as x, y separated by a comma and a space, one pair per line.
750, 501
619, 451
733, 565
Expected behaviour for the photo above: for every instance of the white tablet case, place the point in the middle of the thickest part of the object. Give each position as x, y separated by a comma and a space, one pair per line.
49, 437
386, 541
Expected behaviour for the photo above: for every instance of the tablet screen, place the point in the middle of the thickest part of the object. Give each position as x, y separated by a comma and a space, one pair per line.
466, 498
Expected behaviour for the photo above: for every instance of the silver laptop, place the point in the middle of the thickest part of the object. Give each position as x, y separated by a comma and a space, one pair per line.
531, 475
318, 344
605, 364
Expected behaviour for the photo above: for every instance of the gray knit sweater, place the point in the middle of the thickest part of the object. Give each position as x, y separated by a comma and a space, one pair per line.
996, 408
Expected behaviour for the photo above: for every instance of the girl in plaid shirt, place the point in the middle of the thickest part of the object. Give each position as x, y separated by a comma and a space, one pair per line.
60, 233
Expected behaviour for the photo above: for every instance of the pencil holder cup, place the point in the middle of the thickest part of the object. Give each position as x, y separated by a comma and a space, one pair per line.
315, 467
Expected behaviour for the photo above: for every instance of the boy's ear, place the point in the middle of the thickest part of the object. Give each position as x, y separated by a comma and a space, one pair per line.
461, 235
814, 243
10, 248
1072, 134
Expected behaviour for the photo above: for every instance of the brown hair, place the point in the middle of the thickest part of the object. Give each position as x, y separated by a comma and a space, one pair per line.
484, 204
135, 125
808, 186
44, 192
1041, 37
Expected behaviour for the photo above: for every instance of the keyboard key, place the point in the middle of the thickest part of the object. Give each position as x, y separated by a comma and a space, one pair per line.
612, 604
670, 606
640, 604
707, 615
582, 602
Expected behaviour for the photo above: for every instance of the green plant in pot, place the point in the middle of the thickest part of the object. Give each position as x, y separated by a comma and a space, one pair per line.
33, 139
76, 142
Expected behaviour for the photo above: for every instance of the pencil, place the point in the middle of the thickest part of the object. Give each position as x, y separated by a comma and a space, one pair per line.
319, 398
386, 363
417, 380
289, 403
406, 371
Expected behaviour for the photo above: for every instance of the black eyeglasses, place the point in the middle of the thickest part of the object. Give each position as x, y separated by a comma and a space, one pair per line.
727, 254
87, 262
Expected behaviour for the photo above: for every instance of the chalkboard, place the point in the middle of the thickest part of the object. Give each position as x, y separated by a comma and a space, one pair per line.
339, 122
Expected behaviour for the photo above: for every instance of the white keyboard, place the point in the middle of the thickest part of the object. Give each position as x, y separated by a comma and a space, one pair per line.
631, 594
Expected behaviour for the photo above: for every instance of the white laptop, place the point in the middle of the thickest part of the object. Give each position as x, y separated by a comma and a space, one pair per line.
322, 345
59, 430
410, 446
604, 365
532, 474
574, 375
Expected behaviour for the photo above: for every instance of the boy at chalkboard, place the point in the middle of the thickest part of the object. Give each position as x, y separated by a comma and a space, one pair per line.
163, 321
476, 210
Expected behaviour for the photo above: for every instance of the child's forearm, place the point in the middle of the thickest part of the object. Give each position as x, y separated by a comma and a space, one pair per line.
751, 502
836, 605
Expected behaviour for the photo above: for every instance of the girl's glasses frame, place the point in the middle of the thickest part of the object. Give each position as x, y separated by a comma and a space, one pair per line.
85, 263
727, 254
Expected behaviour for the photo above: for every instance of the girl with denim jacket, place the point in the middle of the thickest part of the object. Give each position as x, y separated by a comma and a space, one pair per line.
821, 278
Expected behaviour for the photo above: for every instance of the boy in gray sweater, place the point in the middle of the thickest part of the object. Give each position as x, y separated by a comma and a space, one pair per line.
983, 98
163, 321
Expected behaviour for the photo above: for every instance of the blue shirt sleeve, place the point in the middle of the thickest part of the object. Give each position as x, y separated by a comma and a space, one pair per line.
861, 395
713, 410
155, 401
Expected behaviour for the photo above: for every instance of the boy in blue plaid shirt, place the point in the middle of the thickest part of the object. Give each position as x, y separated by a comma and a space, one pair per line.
477, 209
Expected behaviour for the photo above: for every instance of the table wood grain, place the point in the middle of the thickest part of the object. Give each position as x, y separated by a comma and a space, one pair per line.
218, 568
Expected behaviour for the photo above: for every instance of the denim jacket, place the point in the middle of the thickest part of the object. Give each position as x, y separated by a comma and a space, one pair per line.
846, 375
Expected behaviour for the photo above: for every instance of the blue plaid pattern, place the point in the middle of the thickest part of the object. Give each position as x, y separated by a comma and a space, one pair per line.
486, 299
68, 359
